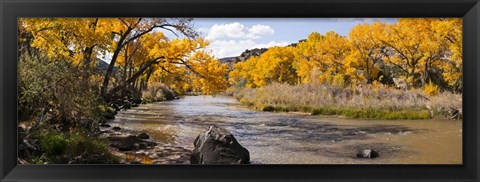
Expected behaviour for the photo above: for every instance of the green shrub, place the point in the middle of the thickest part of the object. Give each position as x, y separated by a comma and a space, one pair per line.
61, 147
79, 144
54, 143
106, 112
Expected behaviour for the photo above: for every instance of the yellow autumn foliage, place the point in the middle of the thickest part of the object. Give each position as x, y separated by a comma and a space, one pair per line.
430, 89
416, 50
141, 55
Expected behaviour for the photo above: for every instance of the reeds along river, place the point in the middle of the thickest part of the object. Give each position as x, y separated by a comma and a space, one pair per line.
296, 138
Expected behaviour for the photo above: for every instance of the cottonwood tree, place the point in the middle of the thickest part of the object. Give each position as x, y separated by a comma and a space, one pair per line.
421, 50
416, 50
76, 40
450, 31
367, 51
126, 30
275, 65
138, 48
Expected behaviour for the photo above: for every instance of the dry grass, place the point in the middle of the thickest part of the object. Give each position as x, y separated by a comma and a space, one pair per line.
358, 102
446, 105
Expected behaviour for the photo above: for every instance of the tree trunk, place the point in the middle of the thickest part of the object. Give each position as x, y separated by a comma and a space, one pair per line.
87, 56
149, 74
140, 72
87, 53
119, 47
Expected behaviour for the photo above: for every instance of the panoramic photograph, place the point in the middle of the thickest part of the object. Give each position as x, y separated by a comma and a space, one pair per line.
159, 91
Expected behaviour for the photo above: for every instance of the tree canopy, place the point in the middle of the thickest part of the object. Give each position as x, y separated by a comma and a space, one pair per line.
421, 51
136, 48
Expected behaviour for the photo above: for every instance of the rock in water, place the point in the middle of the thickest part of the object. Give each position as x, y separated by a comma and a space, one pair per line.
105, 125
218, 146
368, 153
143, 136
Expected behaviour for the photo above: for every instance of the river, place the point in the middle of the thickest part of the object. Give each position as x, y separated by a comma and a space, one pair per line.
298, 138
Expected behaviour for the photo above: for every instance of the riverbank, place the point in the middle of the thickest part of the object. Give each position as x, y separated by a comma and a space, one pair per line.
133, 147
361, 102
98, 142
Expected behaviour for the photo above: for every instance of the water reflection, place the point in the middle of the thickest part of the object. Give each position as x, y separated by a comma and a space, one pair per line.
295, 138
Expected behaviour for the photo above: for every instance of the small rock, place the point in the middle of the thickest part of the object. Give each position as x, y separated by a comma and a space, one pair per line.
127, 104
105, 125
142, 145
368, 153
143, 136
109, 116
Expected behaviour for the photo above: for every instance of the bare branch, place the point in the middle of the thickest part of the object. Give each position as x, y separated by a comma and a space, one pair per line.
164, 27
124, 22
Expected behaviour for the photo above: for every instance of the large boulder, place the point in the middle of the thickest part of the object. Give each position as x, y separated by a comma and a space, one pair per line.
218, 146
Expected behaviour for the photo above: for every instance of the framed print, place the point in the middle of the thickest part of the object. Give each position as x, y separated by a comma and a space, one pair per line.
239, 90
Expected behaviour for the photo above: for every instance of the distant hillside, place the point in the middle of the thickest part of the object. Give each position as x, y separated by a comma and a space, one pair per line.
247, 54
244, 56
103, 66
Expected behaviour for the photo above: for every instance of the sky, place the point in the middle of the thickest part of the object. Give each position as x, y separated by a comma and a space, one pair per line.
231, 36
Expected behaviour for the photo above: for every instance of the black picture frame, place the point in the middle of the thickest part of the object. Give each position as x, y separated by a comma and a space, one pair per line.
13, 9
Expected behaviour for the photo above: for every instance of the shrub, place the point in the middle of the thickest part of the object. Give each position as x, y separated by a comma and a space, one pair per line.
268, 108
62, 147
107, 112
430, 89
58, 89
54, 143
79, 144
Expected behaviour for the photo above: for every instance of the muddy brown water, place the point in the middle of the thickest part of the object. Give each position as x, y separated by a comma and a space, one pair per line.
298, 138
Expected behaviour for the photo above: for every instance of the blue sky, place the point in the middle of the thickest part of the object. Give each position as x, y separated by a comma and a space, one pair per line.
231, 36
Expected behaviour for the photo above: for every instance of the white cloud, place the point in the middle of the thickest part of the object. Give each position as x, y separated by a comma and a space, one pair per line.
229, 48
203, 31
260, 30
231, 39
232, 30
237, 30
